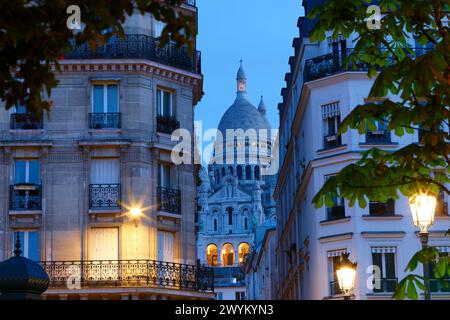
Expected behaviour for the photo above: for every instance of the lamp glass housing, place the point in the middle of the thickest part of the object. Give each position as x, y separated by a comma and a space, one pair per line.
346, 278
422, 210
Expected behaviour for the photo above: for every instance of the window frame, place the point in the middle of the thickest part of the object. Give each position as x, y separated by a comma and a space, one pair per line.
105, 85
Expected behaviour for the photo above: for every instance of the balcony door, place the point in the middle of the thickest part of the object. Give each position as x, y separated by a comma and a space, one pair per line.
104, 188
104, 251
105, 98
26, 172
166, 246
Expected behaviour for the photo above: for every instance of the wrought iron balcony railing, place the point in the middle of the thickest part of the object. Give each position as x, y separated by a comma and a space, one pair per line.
129, 273
382, 208
333, 63
25, 121
332, 141
165, 124
382, 136
336, 213
139, 46
104, 120
25, 197
385, 285
440, 285
104, 196
169, 200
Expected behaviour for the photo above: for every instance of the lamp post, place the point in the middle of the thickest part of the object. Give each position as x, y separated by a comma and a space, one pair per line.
346, 274
422, 209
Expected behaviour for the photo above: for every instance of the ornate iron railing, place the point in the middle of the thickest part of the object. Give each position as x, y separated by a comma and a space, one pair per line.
129, 273
383, 136
166, 124
332, 141
333, 63
25, 121
385, 285
104, 120
104, 196
169, 200
336, 213
139, 46
25, 197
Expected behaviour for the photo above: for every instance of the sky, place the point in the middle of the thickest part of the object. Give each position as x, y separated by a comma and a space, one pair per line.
259, 32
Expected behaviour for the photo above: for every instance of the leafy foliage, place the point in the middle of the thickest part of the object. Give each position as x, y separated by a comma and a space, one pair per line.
33, 35
415, 93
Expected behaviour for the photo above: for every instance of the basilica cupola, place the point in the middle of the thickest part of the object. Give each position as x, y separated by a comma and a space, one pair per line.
241, 79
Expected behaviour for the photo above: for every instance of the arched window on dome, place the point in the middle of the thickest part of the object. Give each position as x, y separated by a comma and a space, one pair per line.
257, 173
243, 251
239, 172
248, 172
212, 255
228, 255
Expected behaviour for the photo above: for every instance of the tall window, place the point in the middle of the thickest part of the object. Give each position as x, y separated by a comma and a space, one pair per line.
215, 224
230, 216
381, 134
27, 171
228, 255
211, 255
257, 173
441, 205
105, 98
104, 190
331, 120
105, 171
382, 208
248, 172
243, 251
246, 223
442, 285
334, 258
164, 103
166, 246
30, 246
239, 172
164, 176
384, 259
337, 211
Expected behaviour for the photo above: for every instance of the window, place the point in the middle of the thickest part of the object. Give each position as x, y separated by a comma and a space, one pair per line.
245, 223
164, 103
382, 208
240, 295
384, 259
334, 258
105, 98
239, 172
331, 121
230, 216
27, 172
257, 173
29, 241
104, 190
219, 295
441, 205
228, 255
164, 176
211, 255
158, 27
337, 211
243, 251
248, 172
166, 246
105, 171
215, 224
442, 285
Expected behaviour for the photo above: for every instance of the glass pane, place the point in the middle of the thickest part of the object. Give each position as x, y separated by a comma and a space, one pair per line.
113, 99
34, 170
19, 173
33, 246
390, 265
158, 102
98, 99
167, 107
21, 109
377, 261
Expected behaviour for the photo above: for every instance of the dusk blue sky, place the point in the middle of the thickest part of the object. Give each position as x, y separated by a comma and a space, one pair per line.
258, 31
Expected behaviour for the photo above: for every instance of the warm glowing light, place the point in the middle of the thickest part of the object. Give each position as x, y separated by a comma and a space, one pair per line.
135, 212
422, 210
346, 278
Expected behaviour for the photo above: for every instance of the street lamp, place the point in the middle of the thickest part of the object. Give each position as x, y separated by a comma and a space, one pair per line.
346, 274
135, 213
422, 209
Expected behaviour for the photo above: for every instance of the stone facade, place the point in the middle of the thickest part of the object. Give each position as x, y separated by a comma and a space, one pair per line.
68, 222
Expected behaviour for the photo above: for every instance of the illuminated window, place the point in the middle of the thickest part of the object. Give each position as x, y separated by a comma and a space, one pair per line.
228, 254
211, 255
243, 251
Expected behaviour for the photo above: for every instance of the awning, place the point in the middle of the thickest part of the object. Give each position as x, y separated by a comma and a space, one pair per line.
330, 110
336, 253
384, 249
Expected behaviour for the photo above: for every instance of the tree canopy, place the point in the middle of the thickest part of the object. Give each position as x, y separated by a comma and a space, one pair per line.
34, 34
414, 87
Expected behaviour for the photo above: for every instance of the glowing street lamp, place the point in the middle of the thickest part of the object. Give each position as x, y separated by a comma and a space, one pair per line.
422, 209
346, 274
135, 213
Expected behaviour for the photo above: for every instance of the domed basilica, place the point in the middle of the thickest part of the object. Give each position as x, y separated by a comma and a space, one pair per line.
235, 196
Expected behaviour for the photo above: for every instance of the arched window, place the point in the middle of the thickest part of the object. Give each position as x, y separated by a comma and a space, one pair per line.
239, 172
217, 175
257, 173
228, 254
211, 255
243, 251
246, 223
248, 172
230, 216
223, 172
230, 170
215, 224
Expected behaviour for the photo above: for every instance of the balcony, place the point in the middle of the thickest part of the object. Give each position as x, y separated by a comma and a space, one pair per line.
382, 209
378, 137
129, 273
169, 200
139, 46
332, 141
333, 63
385, 285
336, 213
104, 196
26, 121
167, 124
104, 120
25, 197
442, 286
